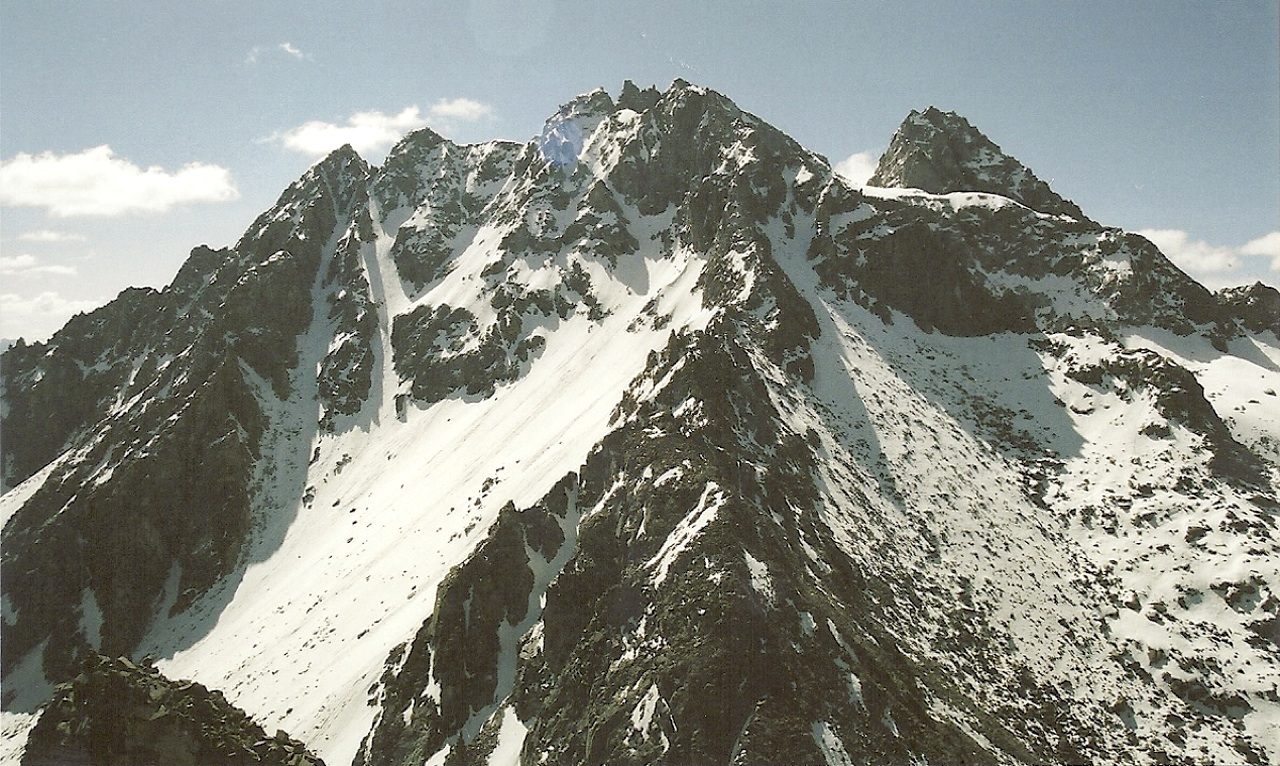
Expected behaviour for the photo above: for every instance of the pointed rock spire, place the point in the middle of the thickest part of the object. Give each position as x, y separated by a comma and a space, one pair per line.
635, 99
344, 158
940, 152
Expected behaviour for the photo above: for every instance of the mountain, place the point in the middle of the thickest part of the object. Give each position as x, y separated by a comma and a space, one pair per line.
651, 440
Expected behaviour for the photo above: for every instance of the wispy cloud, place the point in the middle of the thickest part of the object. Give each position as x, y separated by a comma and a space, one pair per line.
96, 182
857, 168
28, 265
256, 53
1217, 265
376, 131
48, 235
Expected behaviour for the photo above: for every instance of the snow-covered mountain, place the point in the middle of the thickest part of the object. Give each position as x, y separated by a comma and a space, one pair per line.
651, 440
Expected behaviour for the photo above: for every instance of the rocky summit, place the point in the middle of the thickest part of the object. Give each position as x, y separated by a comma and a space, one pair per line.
652, 440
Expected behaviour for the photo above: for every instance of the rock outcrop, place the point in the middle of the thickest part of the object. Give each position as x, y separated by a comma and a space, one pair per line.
117, 712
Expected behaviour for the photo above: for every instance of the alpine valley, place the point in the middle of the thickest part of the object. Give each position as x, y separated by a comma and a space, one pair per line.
651, 440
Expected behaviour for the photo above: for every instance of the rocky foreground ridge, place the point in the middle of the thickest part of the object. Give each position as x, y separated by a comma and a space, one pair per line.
651, 440
117, 712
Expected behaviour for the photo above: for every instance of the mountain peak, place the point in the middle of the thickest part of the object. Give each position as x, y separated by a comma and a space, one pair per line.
596, 103
566, 132
341, 157
941, 152
339, 166
682, 89
421, 139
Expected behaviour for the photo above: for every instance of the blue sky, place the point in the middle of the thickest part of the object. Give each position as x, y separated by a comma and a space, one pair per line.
132, 130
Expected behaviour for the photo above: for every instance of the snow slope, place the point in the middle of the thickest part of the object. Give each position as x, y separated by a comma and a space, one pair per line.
392, 506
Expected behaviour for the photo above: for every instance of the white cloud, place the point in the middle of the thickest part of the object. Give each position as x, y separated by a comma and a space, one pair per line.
463, 109
857, 168
37, 317
289, 48
95, 182
376, 131
1217, 265
28, 265
9, 264
1266, 246
47, 235
365, 131
1193, 255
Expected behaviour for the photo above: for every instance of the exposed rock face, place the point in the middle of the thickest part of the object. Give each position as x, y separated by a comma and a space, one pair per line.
117, 712
652, 441
172, 390
929, 276
940, 152
1256, 307
48, 410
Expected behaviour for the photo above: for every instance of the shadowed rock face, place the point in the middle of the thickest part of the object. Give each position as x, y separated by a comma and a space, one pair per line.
930, 277
940, 152
118, 712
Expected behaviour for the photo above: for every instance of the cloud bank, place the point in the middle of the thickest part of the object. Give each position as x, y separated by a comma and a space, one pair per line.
1217, 266
374, 131
48, 235
95, 182
36, 318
